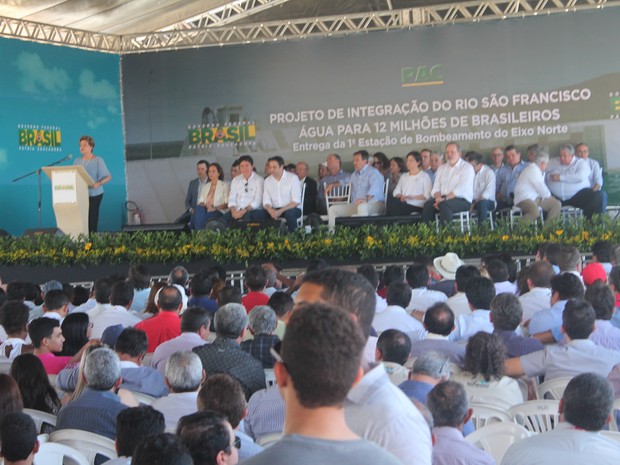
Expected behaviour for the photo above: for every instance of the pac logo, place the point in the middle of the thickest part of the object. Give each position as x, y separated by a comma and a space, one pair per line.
40, 138
221, 134
421, 76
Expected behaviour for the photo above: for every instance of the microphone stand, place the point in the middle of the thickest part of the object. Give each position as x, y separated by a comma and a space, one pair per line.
38, 173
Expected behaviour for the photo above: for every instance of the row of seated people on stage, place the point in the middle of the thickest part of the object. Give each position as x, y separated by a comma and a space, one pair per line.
337, 378
421, 183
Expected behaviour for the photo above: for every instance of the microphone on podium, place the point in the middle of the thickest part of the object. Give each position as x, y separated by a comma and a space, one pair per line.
68, 157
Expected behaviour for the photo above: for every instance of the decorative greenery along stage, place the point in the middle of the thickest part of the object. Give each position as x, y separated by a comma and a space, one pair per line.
240, 246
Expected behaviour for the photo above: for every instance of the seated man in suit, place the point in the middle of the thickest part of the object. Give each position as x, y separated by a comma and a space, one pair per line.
194, 188
310, 197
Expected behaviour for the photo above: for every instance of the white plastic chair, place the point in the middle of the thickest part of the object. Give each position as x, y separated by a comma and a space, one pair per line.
51, 453
270, 377
462, 218
269, 439
568, 213
386, 188
89, 444
40, 418
497, 438
300, 220
485, 414
339, 195
515, 212
553, 389
536, 416
143, 398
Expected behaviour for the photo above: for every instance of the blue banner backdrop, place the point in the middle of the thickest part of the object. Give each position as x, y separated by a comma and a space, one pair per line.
49, 97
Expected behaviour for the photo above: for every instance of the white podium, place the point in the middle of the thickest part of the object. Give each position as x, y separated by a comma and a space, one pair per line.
70, 197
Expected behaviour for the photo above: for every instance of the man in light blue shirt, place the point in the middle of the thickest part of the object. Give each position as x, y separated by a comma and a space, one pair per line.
336, 173
563, 287
367, 194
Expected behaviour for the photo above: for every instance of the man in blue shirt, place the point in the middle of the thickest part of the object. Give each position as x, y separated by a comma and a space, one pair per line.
506, 177
367, 194
335, 174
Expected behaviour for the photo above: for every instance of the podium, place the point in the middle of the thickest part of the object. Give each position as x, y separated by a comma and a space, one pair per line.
70, 197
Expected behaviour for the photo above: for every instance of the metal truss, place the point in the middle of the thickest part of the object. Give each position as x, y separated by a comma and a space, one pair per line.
217, 28
225, 14
46, 33
471, 11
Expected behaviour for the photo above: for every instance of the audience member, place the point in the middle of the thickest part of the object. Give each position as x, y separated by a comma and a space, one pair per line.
34, 385
578, 355
539, 284
139, 278
131, 347
195, 323
458, 303
255, 279
14, 319
429, 369
47, 340
184, 376
483, 374
209, 438
261, 323
224, 355
439, 323
450, 409
56, 304
161, 449
18, 436
394, 315
281, 303
315, 372
10, 396
97, 407
201, 286
121, 296
77, 330
585, 409
133, 425
393, 348
166, 324
223, 394
506, 316
498, 274
563, 287
374, 408
479, 292
421, 297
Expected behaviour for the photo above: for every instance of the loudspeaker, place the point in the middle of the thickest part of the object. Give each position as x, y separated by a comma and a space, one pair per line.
175, 227
36, 232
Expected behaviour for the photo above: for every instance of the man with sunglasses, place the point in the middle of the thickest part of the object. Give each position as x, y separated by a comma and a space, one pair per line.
245, 199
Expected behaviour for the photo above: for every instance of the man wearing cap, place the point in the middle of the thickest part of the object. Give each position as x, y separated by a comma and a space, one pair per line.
446, 266
453, 189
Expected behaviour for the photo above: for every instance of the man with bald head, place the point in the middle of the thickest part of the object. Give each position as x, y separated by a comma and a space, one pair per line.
310, 198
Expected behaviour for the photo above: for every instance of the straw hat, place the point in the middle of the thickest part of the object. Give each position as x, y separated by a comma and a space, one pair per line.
448, 264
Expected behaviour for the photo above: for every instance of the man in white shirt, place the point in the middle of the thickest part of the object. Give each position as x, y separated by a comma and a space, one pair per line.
568, 178
453, 189
596, 172
55, 305
484, 187
421, 297
184, 376
245, 199
282, 194
531, 191
539, 276
118, 313
458, 302
480, 292
394, 315
194, 333
585, 409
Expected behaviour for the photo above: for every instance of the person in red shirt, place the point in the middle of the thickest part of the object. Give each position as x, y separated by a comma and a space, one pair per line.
166, 324
255, 281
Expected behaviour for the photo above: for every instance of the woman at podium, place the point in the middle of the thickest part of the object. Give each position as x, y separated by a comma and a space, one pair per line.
95, 167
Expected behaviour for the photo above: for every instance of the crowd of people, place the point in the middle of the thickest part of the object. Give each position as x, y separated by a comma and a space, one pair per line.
331, 366
426, 183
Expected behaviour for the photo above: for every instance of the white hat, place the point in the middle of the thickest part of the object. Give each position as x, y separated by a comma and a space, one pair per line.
448, 264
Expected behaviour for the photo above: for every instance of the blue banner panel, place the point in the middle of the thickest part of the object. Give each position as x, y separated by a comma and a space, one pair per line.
49, 97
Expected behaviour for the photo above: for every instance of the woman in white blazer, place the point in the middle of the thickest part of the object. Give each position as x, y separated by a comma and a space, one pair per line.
213, 199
